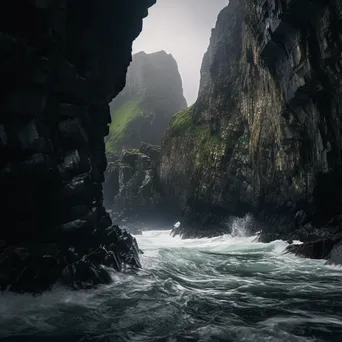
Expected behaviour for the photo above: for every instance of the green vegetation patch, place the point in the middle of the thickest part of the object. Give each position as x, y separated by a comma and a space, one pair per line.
120, 120
182, 123
209, 146
132, 150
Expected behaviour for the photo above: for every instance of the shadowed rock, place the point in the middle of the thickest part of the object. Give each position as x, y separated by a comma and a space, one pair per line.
61, 63
319, 249
37, 267
335, 256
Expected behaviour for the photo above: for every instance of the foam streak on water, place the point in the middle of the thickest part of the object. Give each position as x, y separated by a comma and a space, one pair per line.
219, 289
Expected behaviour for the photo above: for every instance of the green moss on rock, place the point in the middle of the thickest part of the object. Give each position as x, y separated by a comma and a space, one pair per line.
181, 122
132, 150
209, 148
126, 113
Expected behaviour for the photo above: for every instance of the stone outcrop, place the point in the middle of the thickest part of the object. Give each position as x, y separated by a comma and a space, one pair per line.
143, 110
137, 199
61, 63
265, 133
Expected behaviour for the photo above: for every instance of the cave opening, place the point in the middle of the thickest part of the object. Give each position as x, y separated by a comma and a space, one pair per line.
170, 170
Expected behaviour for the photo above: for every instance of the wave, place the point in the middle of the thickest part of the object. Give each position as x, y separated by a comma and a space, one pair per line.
226, 288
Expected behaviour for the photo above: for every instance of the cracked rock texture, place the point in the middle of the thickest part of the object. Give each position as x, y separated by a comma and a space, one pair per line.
137, 200
265, 135
61, 63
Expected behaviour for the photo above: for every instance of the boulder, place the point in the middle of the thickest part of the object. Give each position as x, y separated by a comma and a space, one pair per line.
335, 256
30, 267
319, 249
34, 268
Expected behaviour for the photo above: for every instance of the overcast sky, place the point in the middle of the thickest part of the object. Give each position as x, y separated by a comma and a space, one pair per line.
182, 28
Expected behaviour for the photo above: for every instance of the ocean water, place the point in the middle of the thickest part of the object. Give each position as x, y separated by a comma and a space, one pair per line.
227, 288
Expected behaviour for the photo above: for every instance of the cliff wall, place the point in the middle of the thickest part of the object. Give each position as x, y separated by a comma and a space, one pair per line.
265, 133
61, 63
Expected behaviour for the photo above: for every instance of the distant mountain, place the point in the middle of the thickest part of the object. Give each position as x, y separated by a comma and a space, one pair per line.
143, 110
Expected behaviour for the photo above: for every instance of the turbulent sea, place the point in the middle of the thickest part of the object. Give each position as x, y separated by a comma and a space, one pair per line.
227, 288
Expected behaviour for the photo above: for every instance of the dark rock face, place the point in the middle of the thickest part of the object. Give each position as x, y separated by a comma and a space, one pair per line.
143, 110
61, 63
137, 199
319, 249
335, 256
264, 135
35, 267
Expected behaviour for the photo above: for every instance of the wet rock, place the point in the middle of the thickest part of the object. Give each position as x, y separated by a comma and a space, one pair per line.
30, 268
335, 256
319, 249
84, 274
88, 262
269, 237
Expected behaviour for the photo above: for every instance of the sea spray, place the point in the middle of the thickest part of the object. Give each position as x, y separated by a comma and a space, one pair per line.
226, 288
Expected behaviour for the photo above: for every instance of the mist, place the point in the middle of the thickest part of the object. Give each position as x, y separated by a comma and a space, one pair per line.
182, 28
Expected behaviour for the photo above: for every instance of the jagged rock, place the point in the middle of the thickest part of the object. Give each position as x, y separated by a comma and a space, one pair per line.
153, 152
37, 267
59, 76
335, 256
264, 134
84, 274
137, 195
319, 249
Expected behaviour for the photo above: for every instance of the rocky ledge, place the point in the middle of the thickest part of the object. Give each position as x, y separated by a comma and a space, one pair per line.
84, 263
329, 249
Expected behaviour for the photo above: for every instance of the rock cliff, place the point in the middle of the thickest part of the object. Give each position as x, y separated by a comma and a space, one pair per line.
137, 200
265, 133
142, 111
61, 63
140, 115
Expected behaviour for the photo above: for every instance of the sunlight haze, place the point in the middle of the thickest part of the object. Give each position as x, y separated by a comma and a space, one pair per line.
182, 28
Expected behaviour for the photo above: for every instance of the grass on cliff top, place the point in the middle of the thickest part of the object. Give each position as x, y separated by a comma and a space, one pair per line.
120, 119
132, 150
182, 123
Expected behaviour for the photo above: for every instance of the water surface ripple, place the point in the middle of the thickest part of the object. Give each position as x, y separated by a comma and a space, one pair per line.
219, 289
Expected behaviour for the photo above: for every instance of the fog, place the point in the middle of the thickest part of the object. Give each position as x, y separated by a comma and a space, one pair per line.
182, 28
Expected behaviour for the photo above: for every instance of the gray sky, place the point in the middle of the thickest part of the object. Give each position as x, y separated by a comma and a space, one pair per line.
182, 28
